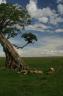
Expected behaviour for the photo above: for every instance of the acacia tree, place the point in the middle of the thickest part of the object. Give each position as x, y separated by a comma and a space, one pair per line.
13, 20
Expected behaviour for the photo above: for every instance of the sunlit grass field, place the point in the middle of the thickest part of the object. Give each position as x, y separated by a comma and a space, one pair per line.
13, 84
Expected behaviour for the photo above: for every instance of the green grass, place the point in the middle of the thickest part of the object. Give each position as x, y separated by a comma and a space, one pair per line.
13, 84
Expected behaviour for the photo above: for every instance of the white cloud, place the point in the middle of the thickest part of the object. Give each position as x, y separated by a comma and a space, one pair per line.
59, 30
60, 8
32, 8
59, 1
43, 19
2, 1
37, 13
55, 19
38, 27
45, 15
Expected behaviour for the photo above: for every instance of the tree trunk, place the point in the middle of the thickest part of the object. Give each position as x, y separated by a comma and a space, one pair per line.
8, 62
12, 57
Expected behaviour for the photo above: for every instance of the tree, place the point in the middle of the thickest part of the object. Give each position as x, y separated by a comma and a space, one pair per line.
13, 19
29, 38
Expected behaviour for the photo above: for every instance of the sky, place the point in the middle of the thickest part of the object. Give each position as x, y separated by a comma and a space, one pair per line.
47, 24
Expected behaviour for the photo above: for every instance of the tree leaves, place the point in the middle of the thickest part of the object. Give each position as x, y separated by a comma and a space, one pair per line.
29, 37
13, 19
12, 14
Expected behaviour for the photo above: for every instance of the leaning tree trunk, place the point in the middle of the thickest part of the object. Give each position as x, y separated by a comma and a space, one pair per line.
12, 57
9, 61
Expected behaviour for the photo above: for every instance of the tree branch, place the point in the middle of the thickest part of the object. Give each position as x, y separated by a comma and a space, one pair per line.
20, 46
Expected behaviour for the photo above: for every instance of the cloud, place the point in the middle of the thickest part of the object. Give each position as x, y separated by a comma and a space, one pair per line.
45, 15
38, 27
59, 30
2, 1
60, 8
43, 19
37, 13
59, 1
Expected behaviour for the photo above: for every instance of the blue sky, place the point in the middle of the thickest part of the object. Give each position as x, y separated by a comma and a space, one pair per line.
47, 24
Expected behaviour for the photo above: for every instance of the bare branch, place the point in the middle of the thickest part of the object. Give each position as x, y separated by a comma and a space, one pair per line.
20, 46
16, 46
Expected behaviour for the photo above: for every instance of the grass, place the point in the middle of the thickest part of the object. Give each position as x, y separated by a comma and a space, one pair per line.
13, 84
